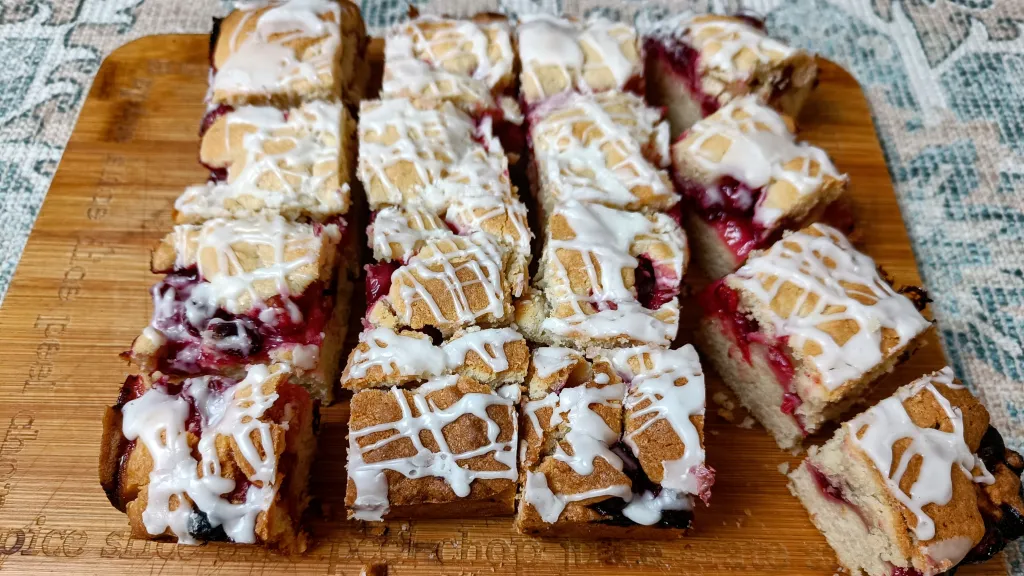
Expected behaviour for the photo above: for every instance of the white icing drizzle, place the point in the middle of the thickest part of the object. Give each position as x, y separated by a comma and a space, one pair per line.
158, 420
803, 260
550, 505
286, 162
647, 508
888, 422
654, 380
265, 62
503, 219
446, 47
550, 359
720, 41
440, 146
456, 263
372, 501
588, 435
760, 146
575, 50
417, 356
409, 228
226, 283
607, 240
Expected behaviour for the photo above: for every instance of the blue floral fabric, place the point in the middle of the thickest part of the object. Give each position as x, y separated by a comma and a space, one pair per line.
945, 79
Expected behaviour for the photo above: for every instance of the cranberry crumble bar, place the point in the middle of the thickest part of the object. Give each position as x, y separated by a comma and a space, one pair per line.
711, 60
613, 446
211, 458
283, 53
916, 485
295, 162
804, 328
560, 55
746, 178
608, 148
238, 292
607, 278
445, 448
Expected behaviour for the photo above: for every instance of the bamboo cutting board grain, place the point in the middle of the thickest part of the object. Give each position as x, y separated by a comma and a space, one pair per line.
81, 294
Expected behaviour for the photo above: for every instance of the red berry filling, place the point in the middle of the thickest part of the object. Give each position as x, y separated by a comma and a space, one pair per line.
683, 61
378, 281
201, 338
722, 302
833, 492
729, 209
654, 290
511, 135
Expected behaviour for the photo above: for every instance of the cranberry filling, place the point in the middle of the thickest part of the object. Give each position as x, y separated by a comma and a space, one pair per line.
653, 291
683, 61
729, 208
828, 489
211, 117
511, 135
201, 337
724, 303
378, 281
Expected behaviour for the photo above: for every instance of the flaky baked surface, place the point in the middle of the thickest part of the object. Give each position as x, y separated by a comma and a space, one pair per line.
470, 425
282, 53
153, 413
839, 317
384, 358
291, 162
560, 55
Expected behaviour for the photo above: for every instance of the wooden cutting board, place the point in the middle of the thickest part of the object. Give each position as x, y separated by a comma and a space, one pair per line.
80, 296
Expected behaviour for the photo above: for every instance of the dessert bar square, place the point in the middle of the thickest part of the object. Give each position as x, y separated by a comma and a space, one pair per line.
607, 148
446, 448
803, 329
211, 458
470, 63
238, 292
916, 485
746, 178
710, 60
559, 55
607, 278
612, 447
295, 162
453, 282
426, 153
283, 53
384, 357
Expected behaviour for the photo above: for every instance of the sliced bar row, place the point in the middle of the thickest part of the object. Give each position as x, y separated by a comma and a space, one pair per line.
213, 440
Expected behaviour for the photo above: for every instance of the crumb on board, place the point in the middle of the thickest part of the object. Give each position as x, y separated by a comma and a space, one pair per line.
783, 468
747, 423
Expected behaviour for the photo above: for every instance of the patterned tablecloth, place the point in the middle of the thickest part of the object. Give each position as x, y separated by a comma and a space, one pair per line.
945, 79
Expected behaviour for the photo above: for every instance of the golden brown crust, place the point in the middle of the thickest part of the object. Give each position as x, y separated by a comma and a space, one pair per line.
467, 432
